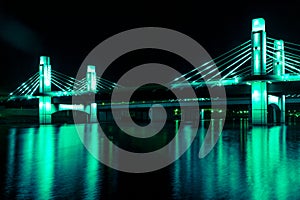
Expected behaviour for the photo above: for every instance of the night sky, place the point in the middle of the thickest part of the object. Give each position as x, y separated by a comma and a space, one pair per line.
68, 33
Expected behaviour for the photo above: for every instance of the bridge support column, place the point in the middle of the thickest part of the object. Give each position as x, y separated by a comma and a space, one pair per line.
93, 112
91, 80
259, 103
282, 108
279, 60
45, 86
279, 70
259, 88
202, 114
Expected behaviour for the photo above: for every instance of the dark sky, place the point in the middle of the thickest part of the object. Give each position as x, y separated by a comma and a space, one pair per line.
68, 33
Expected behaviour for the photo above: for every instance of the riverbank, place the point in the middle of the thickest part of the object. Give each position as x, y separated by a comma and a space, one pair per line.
18, 115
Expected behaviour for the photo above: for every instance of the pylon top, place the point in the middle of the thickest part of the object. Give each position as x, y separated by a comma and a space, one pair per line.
278, 44
91, 68
44, 60
258, 24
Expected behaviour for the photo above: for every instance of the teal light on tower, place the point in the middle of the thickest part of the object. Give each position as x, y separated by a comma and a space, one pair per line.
259, 88
279, 70
258, 47
91, 78
45, 86
259, 103
91, 86
278, 65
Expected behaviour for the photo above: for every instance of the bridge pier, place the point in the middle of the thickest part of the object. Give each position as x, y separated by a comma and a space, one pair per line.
279, 70
259, 94
259, 103
259, 88
46, 109
45, 86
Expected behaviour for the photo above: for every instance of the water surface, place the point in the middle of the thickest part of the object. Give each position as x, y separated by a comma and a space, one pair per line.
50, 162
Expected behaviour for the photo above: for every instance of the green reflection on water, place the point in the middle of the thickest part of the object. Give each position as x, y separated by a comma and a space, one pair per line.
266, 172
45, 154
247, 162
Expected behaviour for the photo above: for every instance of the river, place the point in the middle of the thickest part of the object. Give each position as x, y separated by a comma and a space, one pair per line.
50, 162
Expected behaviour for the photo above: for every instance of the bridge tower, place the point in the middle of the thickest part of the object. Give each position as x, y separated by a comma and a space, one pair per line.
45, 86
278, 64
91, 81
279, 71
259, 88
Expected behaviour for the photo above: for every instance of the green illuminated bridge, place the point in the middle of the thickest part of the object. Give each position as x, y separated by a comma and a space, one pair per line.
260, 72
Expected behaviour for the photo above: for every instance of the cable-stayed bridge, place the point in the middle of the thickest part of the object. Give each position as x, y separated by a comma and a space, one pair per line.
266, 67
67, 85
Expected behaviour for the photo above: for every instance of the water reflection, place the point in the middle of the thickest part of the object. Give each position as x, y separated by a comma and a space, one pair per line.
247, 163
268, 174
44, 162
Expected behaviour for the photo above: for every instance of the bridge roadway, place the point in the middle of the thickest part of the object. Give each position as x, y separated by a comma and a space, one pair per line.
236, 95
202, 103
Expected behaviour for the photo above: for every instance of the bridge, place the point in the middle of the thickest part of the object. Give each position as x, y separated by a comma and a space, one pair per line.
263, 69
68, 86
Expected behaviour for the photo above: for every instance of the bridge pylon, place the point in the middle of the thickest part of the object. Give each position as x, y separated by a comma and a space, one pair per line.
259, 88
91, 81
45, 86
279, 71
